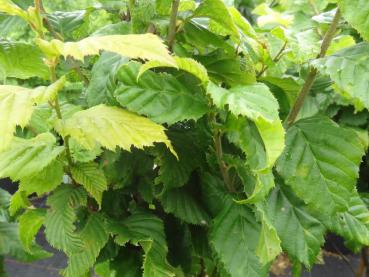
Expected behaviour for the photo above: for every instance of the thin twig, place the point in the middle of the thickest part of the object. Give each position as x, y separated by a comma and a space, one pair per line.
313, 72
173, 24
275, 60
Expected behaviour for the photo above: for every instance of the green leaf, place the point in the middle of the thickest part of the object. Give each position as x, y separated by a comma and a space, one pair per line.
301, 234
91, 177
60, 218
161, 97
44, 181
29, 224
186, 64
228, 68
258, 104
17, 104
8, 7
221, 21
103, 79
65, 23
269, 244
352, 225
111, 127
22, 60
234, 236
145, 46
321, 163
183, 205
356, 13
26, 157
10, 244
18, 201
147, 231
95, 237
175, 172
348, 69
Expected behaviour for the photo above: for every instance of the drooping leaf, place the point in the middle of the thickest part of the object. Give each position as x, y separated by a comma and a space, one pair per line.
237, 251
228, 68
60, 218
221, 21
161, 97
321, 163
111, 127
258, 104
348, 69
10, 244
145, 46
147, 231
356, 13
184, 206
103, 79
26, 157
21, 60
186, 64
173, 172
44, 181
353, 225
269, 244
301, 233
91, 177
17, 104
29, 224
95, 236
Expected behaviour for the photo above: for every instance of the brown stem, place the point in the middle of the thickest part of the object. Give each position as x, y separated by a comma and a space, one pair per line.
313, 72
275, 60
173, 24
365, 262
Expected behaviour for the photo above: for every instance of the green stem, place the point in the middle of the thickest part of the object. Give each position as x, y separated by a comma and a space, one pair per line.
275, 60
217, 137
173, 24
56, 106
313, 72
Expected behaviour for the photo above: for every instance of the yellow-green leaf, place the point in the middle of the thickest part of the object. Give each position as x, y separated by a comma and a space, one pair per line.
17, 104
112, 127
145, 46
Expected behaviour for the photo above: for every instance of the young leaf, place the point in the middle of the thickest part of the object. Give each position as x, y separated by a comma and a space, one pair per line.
95, 237
7, 6
161, 97
26, 157
17, 104
237, 251
111, 127
18, 201
186, 64
60, 218
145, 46
220, 19
321, 163
91, 177
258, 104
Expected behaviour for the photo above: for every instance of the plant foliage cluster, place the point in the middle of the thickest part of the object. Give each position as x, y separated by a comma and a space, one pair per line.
174, 138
